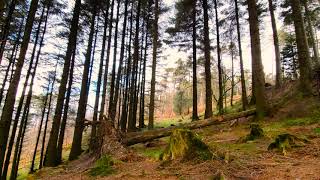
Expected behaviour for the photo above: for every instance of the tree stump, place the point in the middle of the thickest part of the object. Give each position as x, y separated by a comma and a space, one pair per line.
255, 133
185, 145
283, 142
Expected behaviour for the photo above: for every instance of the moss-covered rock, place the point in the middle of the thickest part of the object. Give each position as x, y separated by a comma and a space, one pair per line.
185, 145
255, 133
283, 142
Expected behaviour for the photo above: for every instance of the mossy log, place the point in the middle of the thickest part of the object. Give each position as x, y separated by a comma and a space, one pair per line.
142, 137
185, 145
283, 142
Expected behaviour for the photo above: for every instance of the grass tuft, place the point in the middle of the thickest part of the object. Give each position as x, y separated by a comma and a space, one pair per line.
103, 167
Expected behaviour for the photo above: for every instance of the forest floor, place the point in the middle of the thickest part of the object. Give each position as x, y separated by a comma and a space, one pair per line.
242, 160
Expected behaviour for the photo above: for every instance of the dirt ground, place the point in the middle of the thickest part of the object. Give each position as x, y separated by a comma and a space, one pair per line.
249, 160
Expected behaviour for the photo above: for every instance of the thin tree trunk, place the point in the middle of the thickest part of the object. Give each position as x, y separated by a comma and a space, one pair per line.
133, 104
8, 108
6, 28
124, 114
11, 62
42, 158
208, 111
243, 81
155, 36
25, 117
113, 73
43, 113
51, 154
220, 100
116, 96
105, 78
93, 140
276, 45
66, 109
76, 149
194, 63
311, 32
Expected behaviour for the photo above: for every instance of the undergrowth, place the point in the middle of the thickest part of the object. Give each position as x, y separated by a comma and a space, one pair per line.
103, 166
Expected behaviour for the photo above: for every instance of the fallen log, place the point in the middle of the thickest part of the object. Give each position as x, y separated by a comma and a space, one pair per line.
141, 137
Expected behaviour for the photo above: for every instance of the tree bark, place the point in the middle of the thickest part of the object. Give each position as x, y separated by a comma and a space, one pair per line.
243, 81
311, 32
220, 100
105, 78
207, 48
155, 36
6, 28
8, 108
258, 78
141, 137
303, 49
93, 139
124, 28
66, 109
133, 104
51, 153
194, 63
76, 149
112, 106
276, 45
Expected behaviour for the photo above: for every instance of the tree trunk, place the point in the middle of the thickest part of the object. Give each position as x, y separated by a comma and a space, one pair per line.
11, 62
6, 27
66, 110
23, 124
258, 78
51, 153
141, 137
113, 108
105, 78
93, 138
43, 113
303, 49
76, 149
8, 107
312, 34
194, 63
207, 48
116, 96
133, 104
42, 158
276, 45
155, 37
124, 114
220, 100
243, 81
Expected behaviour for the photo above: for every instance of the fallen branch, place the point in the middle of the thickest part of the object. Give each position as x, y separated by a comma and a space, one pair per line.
141, 137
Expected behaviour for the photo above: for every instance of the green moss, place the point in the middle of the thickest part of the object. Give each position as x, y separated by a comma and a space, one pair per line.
164, 123
317, 131
103, 167
184, 144
255, 133
283, 142
153, 153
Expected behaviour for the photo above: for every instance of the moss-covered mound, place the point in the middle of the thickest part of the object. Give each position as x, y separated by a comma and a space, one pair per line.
103, 166
283, 142
185, 145
255, 133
